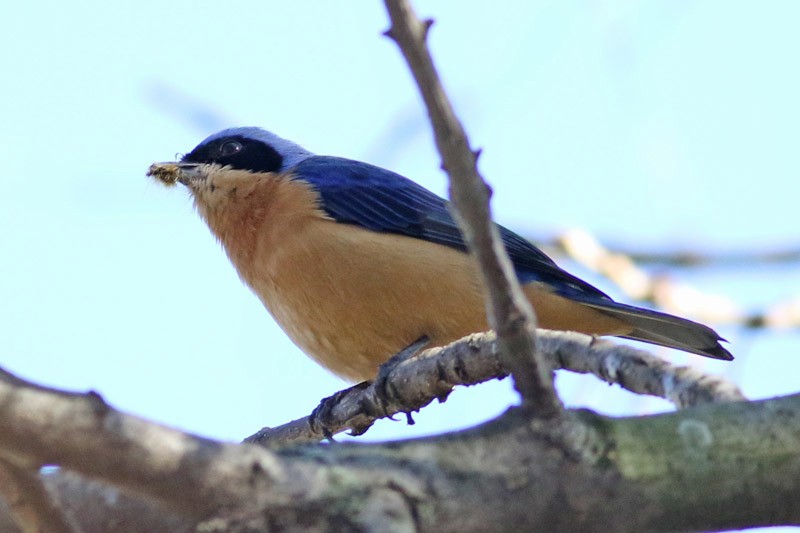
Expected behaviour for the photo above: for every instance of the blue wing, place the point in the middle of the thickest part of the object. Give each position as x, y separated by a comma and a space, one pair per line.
358, 193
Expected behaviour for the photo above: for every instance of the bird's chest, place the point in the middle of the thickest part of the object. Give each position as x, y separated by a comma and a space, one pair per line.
329, 293
351, 298
308, 296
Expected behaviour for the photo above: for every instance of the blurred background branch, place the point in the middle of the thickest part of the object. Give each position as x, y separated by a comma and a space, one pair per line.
666, 293
684, 258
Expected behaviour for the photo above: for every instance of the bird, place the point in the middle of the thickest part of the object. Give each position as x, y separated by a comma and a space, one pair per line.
356, 262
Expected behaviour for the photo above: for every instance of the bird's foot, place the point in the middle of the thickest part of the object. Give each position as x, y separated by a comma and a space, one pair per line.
323, 420
383, 395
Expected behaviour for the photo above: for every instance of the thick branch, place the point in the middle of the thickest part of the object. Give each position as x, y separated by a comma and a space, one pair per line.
29, 503
432, 375
81, 432
671, 472
95, 506
509, 312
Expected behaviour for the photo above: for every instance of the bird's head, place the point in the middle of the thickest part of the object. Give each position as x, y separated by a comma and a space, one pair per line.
237, 178
230, 159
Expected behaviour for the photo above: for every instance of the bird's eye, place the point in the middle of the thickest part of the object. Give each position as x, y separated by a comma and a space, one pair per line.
230, 148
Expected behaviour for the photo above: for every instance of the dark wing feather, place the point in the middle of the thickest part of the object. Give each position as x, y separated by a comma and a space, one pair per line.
357, 193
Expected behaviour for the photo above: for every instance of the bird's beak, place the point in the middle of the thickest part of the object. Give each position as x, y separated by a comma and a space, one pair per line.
170, 173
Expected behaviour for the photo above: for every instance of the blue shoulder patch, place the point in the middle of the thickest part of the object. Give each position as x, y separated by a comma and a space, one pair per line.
380, 200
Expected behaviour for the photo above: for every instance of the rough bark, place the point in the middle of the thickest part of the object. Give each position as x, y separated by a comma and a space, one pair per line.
711, 467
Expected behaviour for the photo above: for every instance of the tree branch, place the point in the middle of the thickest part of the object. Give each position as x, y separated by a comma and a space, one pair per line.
679, 471
669, 295
29, 503
510, 314
96, 506
433, 374
690, 258
81, 432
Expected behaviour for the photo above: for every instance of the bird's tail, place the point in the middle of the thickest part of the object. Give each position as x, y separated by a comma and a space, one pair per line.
665, 330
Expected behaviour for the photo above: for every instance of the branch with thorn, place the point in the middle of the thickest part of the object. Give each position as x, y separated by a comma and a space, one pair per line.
509, 312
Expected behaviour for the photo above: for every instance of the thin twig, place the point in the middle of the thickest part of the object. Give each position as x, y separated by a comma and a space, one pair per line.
510, 314
433, 374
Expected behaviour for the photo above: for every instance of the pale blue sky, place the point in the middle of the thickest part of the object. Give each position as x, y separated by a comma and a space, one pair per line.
655, 124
